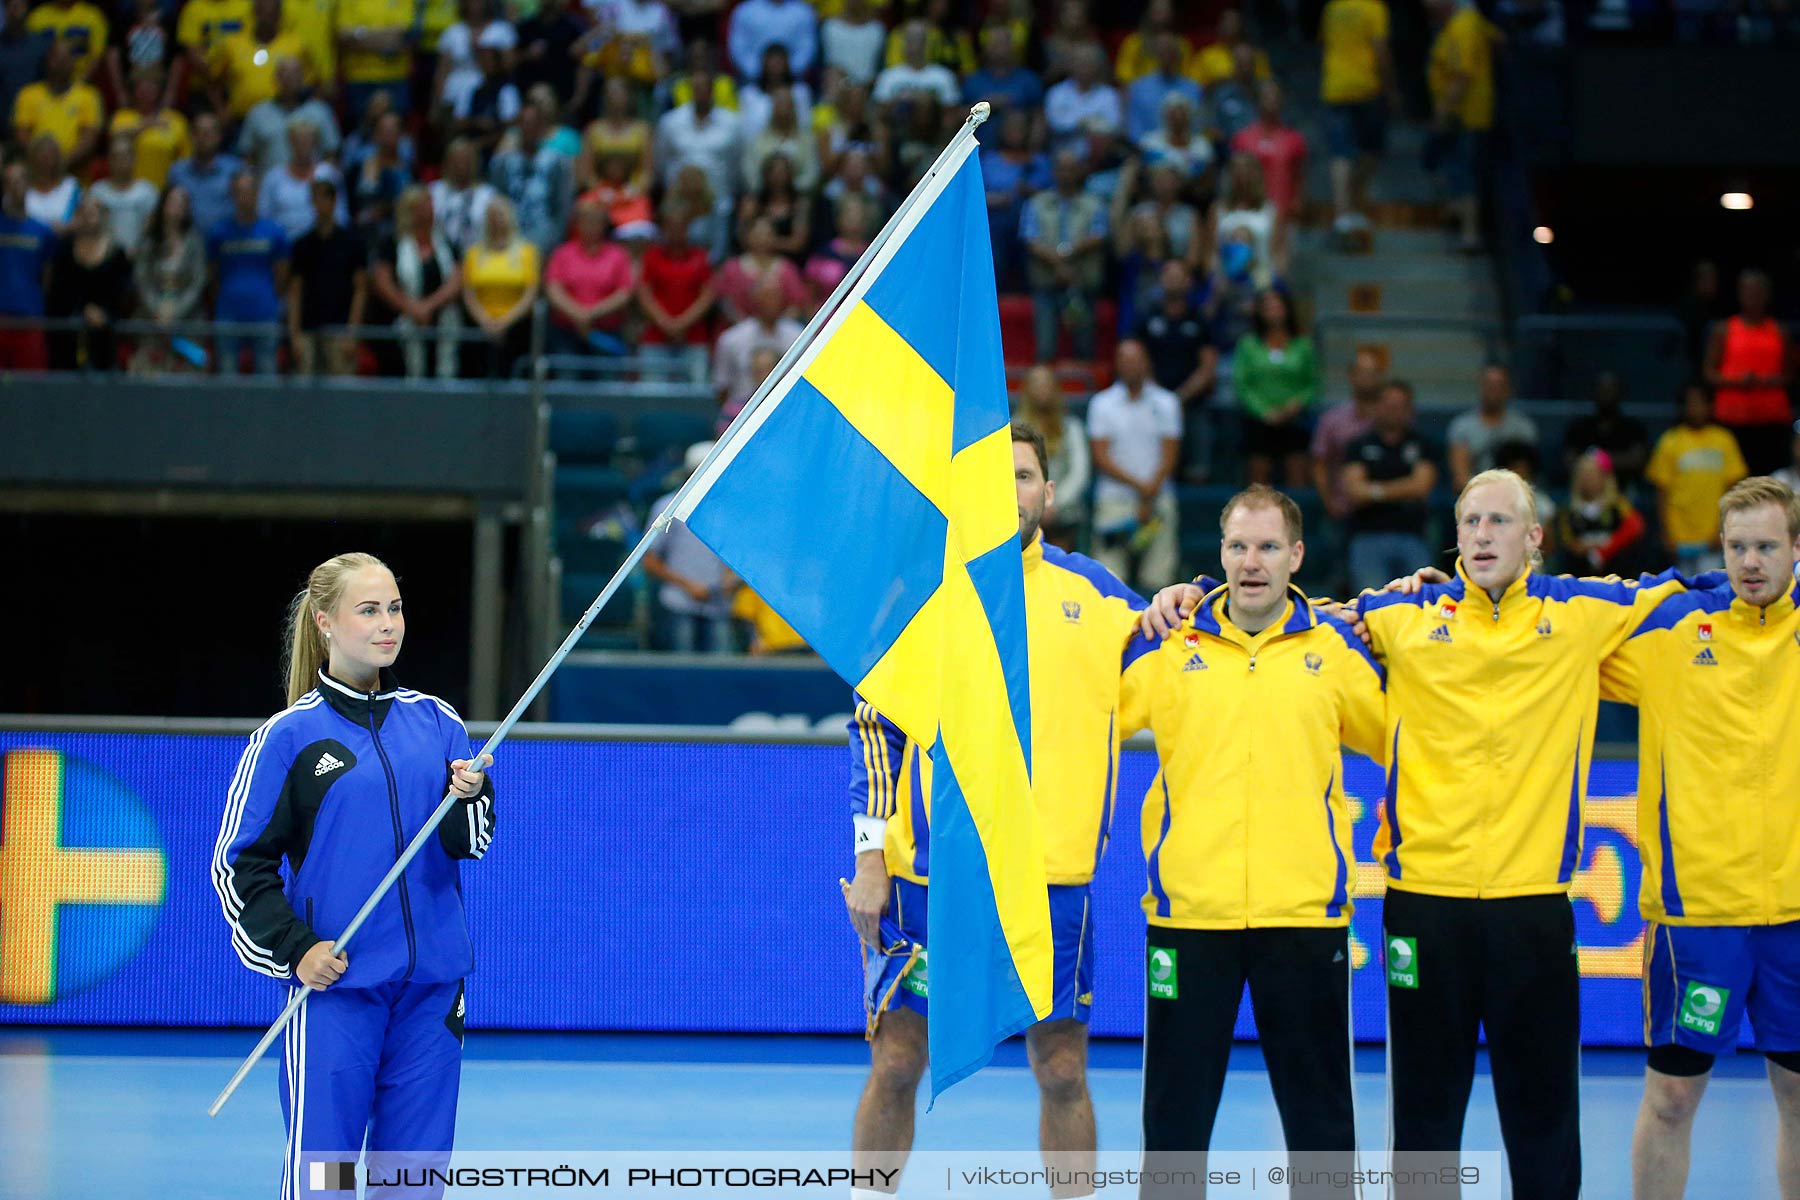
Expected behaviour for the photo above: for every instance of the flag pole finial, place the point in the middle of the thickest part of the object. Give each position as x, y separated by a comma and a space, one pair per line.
981, 112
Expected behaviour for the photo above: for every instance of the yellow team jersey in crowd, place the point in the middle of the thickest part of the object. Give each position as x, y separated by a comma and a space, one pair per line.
1694, 467
248, 67
1465, 47
375, 66
773, 634
955, 51
1717, 685
1351, 33
1078, 620
80, 26
315, 23
1246, 825
1137, 58
1491, 705
159, 145
38, 110
500, 278
1212, 64
724, 92
204, 24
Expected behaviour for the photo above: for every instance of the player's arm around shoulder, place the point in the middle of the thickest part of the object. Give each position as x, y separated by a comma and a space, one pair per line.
1362, 688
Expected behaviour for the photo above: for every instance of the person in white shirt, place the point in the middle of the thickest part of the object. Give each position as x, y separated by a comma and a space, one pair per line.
460, 197
912, 74
703, 134
262, 140
128, 202
286, 193
1134, 436
458, 73
756, 24
52, 192
1790, 474
853, 42
647, 19
756, 101
764, 329
1083, 103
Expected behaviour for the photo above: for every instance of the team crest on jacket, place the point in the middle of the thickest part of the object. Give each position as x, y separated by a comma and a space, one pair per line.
1071, 611
1704, 632
1191, 641
1313, 664
1447, 608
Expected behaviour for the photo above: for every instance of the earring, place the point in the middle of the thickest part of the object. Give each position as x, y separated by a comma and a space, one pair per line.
328, 635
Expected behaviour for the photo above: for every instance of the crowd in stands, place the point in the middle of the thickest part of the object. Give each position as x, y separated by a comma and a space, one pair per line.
401, 187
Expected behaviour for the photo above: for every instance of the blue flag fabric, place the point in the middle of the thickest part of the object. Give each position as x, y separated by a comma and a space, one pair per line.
870, 501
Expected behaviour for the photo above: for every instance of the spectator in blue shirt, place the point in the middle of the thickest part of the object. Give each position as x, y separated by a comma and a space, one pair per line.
1011, 172
26, 248
1000, 80
1144, 99
1064, 235
758, 24
206, 175
249, 258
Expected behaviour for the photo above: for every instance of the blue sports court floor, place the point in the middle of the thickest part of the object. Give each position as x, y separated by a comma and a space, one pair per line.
103, 1115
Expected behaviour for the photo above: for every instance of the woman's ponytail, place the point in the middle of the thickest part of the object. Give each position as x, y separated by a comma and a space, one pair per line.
306, 651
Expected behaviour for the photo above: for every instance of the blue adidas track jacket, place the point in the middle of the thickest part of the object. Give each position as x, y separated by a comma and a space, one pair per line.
336, 785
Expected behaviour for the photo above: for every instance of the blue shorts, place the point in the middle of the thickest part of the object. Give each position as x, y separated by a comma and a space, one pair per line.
1701, 979
1356, 129
898, 976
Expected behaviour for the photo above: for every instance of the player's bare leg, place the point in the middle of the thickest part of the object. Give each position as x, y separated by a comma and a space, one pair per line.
1066, 1136
1787, 1142
883, 1135
1661, 1142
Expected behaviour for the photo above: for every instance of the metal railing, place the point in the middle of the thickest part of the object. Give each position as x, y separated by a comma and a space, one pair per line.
1560, 353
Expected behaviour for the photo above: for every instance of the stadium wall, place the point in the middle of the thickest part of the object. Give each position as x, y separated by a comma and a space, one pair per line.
673, 881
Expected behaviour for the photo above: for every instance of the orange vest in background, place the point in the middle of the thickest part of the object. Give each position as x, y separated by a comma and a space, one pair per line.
1759, 349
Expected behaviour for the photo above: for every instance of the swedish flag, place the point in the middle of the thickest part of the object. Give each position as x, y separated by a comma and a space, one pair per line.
869, 498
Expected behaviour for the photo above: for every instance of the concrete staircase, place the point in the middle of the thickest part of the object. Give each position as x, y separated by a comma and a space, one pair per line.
1404, 287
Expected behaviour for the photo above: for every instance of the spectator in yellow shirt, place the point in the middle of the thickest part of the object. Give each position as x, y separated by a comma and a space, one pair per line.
1357, 85
75, 24
1137, 53
1213, 63
375, 41
311, 21
203, 26
1694, 464
501, 277
61, 106
159, 134
1461, 74
243, 65
769, 634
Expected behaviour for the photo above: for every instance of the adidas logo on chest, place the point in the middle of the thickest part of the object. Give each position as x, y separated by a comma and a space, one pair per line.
328, 762
1194, 663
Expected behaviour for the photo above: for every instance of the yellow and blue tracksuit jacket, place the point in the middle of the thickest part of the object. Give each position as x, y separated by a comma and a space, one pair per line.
1246, 825
1078, 619
1717, 685
1490, 726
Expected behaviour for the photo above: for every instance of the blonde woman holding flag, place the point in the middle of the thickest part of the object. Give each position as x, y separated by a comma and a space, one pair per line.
335, 784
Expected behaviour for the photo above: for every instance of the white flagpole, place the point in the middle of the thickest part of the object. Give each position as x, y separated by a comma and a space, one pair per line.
822, 324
